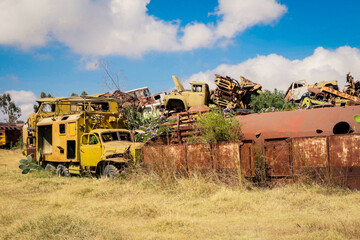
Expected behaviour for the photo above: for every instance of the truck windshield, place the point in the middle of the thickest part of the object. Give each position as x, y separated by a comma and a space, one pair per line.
116, 136
110, 136
124, 136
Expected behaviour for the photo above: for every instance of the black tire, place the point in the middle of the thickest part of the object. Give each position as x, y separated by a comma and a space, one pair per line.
50, 167
110, 171
62, 171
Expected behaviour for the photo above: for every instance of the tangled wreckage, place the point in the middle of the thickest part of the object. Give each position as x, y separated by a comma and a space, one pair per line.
80, 135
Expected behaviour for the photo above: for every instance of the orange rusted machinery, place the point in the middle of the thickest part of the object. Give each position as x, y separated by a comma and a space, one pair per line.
232, 94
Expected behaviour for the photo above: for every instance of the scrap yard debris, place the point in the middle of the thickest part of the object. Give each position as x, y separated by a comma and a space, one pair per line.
89, 135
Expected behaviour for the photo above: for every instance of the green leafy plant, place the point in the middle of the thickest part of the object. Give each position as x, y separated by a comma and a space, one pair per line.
134, 118
217, 126
29, 165
268, 101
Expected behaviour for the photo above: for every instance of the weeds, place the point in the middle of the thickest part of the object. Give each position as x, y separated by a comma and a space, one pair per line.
139, 206
217, 126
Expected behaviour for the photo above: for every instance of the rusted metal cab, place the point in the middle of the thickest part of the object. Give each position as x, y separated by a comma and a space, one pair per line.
181, 100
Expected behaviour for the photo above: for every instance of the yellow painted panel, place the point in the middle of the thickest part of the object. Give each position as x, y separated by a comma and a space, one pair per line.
90, 154
72, 129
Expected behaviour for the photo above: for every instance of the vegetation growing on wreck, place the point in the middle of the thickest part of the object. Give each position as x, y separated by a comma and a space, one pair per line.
271, 101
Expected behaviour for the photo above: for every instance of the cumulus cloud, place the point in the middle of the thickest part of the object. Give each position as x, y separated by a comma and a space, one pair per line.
124, 27
274, 71
23, 99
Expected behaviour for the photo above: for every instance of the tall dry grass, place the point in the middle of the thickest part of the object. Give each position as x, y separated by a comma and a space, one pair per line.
139, 206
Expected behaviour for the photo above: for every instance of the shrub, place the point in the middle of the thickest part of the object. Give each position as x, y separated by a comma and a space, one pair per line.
217, 126
268, 101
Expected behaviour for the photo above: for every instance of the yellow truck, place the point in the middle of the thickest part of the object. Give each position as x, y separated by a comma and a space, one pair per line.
62, 144
80, 136
180, 100
92, 107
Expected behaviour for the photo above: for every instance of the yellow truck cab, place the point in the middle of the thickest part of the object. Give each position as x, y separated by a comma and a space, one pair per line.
108, 150
181, 100
65, 144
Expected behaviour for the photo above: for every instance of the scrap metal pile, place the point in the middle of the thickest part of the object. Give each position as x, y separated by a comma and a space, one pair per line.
232, 94
324, 93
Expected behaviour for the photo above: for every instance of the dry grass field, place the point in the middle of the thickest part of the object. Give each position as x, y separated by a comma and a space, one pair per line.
42, 206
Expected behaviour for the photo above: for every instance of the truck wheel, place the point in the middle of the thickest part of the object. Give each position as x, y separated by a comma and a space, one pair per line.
110, 171
62, 171
50, 167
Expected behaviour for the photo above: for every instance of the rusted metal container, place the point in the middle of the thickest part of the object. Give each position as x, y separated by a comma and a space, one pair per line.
247, 158
199, 157
325, 159
277, 157
152, 156
226, 156
310, 158
301, 123
345, 160
176, 156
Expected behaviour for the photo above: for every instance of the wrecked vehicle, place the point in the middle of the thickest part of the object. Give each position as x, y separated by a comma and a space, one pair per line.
9, 134
300, 89
143, 95
72, 145
232, 94
95, 112
319, 95
352, 87
159, 103
180, 100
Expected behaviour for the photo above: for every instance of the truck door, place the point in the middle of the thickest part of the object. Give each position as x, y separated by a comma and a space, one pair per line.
90, 150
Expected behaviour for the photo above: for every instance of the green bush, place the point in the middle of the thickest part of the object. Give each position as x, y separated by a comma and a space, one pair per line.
217, 126
268, 101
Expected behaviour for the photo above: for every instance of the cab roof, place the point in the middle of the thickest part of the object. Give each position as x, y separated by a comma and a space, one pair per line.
198, 83
99, 131
77, 99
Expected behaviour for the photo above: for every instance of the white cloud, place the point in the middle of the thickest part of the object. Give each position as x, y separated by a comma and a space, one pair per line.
23, 99
89, 64
274, 71
123, 27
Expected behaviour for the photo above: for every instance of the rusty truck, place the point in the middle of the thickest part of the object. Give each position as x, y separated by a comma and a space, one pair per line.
180, 100
77, 137
229, 94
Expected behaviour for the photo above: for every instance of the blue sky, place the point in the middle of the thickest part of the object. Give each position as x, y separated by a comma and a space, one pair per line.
56, 47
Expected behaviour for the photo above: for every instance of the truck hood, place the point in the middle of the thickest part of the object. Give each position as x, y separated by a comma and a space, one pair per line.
119, 147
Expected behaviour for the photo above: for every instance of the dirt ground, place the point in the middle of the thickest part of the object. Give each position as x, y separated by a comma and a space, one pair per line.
40, 205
